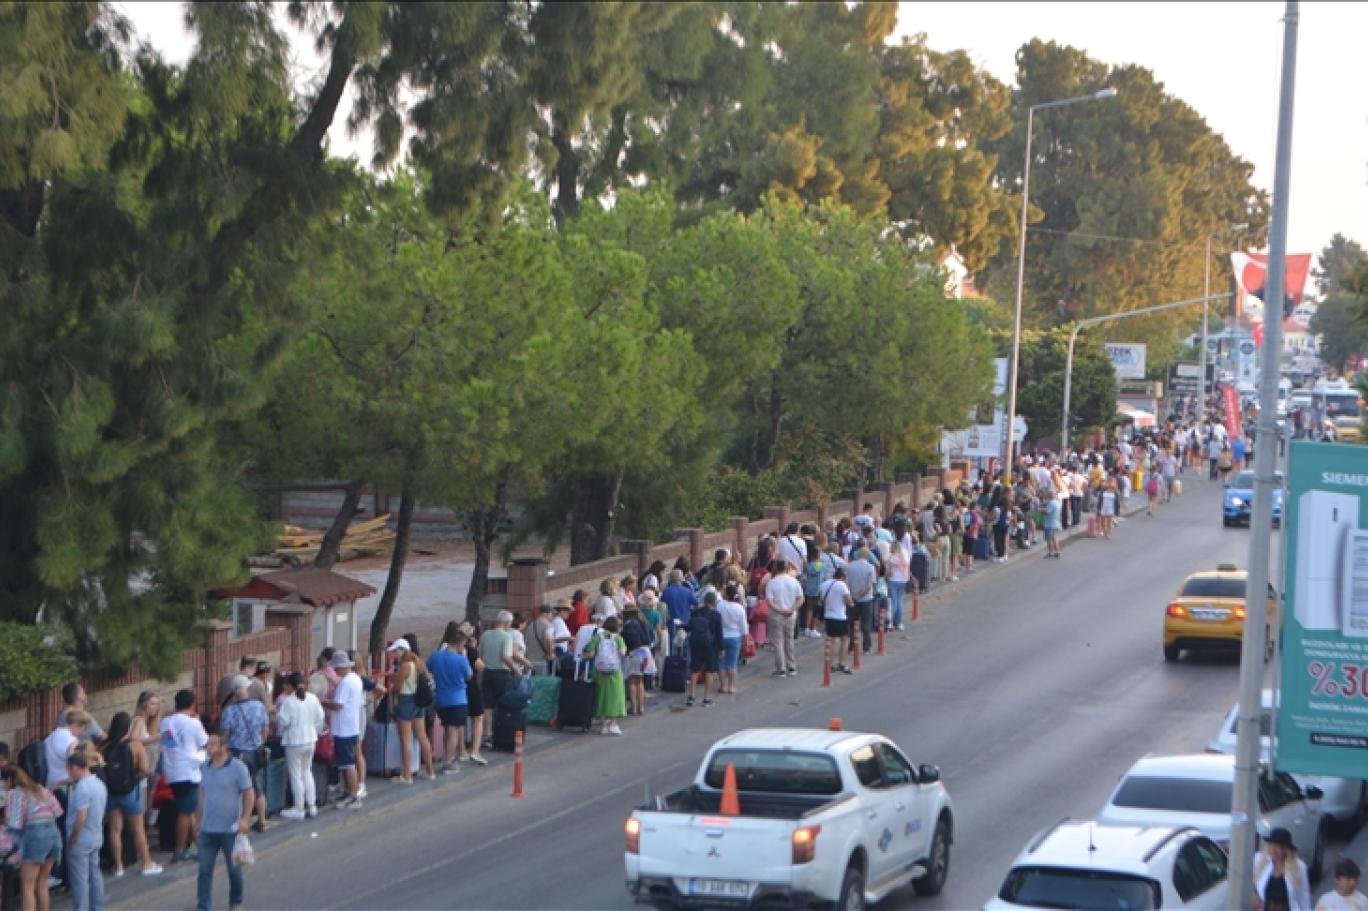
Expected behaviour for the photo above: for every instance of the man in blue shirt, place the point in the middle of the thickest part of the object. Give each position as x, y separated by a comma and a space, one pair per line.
679, 600
246, 726
451, 674
226, 797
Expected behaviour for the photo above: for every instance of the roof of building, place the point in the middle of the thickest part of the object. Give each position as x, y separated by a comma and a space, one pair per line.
306, 585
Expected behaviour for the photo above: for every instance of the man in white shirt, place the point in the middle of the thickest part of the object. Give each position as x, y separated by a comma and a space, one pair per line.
784, 593
183, 740
344, 717
836, 602
792, 548
861, 577
57, 745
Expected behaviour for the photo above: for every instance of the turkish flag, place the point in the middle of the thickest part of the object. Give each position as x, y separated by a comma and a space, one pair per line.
1251, 274
1258, 334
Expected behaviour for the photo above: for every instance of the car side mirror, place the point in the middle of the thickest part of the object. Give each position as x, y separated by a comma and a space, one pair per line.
928, 774
1313, 793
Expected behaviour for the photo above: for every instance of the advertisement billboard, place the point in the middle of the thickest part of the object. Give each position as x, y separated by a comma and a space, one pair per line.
1323, 708
1127, 359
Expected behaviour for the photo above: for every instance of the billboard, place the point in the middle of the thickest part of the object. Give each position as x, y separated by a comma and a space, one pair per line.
1127, 359
1186, 379
1323, 708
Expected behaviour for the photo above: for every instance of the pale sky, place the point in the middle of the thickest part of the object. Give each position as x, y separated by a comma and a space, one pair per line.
1221, 58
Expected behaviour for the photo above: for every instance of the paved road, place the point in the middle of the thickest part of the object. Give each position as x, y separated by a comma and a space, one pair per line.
1034, 687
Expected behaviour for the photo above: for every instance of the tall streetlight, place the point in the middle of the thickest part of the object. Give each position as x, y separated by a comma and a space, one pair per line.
1206, 292
1021, 263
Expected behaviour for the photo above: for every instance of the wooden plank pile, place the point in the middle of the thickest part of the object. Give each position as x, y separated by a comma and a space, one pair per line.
370, 538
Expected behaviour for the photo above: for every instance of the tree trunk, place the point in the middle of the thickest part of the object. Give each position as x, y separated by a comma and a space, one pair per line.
380, 625
484, 531
332, 541
567, 171
592, 517
767, 440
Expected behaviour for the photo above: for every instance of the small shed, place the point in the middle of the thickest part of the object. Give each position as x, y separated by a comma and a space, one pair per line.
332, 596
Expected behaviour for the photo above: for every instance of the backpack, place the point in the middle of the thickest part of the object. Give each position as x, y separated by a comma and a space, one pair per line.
1152, 486
812, 576
699, 626
120, 772
607, 657
423, 695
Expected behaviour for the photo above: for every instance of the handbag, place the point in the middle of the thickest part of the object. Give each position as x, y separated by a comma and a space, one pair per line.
325, 750
747, 646
759, 611
423, 696
519, 695
161, 792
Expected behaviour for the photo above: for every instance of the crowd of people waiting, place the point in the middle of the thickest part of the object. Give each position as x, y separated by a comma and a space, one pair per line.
678, 629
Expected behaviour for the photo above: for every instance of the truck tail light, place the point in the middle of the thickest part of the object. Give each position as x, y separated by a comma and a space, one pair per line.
1177, 610
805, 844
633, 831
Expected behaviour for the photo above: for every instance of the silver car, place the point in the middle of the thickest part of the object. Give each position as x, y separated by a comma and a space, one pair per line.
1344, 800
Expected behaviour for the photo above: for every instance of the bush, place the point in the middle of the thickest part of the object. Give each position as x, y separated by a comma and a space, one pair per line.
32, 660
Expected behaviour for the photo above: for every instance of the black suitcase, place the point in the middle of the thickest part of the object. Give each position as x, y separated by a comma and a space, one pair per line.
674, 674
507, 722
575, 709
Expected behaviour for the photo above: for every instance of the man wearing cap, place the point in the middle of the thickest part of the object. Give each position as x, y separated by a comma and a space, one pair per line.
344, 717
245, 725
541, 643
561, 637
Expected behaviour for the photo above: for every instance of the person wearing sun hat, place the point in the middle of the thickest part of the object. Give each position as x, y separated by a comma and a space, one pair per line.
1281, 879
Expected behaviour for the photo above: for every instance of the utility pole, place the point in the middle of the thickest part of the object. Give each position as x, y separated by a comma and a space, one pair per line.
1244, 807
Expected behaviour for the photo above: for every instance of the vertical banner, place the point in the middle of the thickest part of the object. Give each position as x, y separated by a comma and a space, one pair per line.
1231, 403
1323, 708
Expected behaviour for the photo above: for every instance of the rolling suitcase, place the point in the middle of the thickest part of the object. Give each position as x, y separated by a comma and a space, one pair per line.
507, 722
1094, 528
545, 699
981, 547
575, 704
1177, 487
674, 671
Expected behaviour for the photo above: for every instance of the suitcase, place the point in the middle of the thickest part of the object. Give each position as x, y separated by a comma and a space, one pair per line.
1177, 487
1094, 528
981, 547
383, 758
508, 722
575, 707
277, 781
545, 699
674, 674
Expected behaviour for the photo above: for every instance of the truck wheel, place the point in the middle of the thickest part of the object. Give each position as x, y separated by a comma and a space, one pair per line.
938, 867
852, 890
1171, 652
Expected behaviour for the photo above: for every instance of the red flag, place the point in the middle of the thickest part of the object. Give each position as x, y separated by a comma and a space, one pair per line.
1251, 274
1258, 334
1232, 410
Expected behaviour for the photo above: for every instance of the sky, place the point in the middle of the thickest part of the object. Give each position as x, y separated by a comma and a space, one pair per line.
1223, 59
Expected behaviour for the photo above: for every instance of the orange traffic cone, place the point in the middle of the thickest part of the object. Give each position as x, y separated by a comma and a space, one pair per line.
731, 801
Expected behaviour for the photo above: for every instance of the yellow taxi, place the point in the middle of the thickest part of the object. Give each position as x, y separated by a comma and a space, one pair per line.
1209, 612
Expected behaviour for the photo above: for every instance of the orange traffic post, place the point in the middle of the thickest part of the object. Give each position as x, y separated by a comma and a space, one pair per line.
855, 645
518, 764
826, 661
883, 622
731, 800
916, 600
834, 724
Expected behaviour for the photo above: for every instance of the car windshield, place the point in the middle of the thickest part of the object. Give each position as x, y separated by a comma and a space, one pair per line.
776, 771
1188, 795
1213, 587
1243, 480
1058, 887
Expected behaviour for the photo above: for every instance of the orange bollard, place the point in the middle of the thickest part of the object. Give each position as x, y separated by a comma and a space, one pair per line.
826, 661
731, 800
883, 622
518, 764
916, 600
834, 724
855, 644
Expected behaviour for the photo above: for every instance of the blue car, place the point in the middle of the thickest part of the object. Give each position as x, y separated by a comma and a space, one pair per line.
1239, 500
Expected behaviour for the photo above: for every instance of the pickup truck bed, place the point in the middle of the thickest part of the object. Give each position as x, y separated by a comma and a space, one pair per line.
696, 800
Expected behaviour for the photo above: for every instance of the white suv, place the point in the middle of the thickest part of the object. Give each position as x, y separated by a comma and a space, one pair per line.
1197, 790
1135, 868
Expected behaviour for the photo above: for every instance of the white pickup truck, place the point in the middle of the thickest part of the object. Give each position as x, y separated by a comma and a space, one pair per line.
825, 817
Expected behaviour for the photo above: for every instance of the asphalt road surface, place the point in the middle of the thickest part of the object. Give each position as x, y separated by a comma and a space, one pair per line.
1033, 687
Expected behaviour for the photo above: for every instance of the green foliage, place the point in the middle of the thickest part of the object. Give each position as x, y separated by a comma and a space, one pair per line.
1341, 319
1143, 165
1040, 388
32, 660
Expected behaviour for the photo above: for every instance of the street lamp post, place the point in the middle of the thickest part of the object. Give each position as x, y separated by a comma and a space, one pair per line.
1112, 317
1206, 292
1021, 264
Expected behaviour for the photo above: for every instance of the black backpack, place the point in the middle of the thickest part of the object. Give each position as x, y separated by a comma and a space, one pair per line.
120, 772
423, 694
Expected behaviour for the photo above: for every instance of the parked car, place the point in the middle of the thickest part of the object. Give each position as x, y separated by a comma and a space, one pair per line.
1075, 864
1196, 790
1238, 503
830, 817
1344, 801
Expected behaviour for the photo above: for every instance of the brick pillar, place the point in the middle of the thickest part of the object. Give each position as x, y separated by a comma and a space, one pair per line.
695, 538
297, 620
738, 525
213, 654
526, 585
780, 514
642, 549
856, 497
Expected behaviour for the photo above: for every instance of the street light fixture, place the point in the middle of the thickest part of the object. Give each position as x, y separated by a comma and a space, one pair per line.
1021, 262
1206, 292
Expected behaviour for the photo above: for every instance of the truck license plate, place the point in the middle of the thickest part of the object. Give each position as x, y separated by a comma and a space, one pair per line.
723, 888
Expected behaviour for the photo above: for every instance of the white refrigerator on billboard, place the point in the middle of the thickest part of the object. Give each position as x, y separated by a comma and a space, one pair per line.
1326, 526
